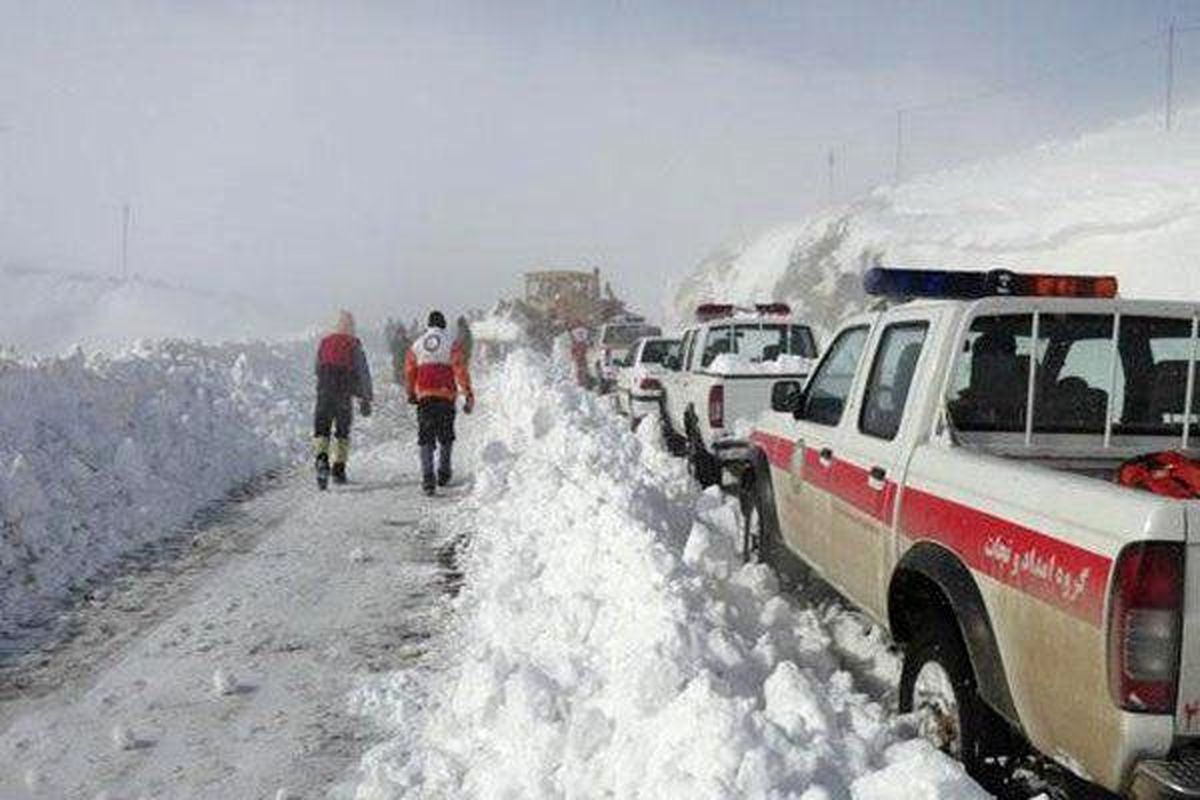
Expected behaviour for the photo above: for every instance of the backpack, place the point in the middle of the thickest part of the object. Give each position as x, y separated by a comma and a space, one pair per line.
1168, 473
337, 350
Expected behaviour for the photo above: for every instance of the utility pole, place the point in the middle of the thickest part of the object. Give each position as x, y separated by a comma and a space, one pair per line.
125, 242
831, 165
1170, 72
899, 143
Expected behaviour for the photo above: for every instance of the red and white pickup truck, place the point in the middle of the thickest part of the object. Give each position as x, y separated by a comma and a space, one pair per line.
949, 467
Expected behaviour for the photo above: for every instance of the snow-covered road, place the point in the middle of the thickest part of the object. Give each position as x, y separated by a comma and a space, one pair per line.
225, 672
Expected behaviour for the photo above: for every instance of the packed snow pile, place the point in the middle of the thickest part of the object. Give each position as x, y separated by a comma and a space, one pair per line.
1125, 201
736, 364
611, 643
100, 455
59, 310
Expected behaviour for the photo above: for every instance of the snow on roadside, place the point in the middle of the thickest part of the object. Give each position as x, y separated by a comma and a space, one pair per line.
102, 454
610, 642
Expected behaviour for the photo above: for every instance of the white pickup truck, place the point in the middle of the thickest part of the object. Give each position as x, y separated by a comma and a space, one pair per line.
639, 377
949, 467
611, 346
723, 377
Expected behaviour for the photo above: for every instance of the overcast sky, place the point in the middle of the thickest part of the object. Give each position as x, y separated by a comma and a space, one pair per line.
401, 155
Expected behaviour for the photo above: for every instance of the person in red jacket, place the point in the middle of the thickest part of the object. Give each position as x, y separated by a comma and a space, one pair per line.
435, 372
342, 374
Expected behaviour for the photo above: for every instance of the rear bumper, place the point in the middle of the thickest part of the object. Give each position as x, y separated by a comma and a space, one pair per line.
643, 405
1172, 778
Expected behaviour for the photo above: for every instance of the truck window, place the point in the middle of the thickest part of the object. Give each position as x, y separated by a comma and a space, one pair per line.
827, 391
718, 341
801, 342
991, 381
1074, 375
759, 343
1155, 358
891, 377
689, 339
655, 350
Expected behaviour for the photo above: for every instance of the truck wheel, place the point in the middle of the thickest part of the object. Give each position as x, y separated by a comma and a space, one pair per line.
938, 683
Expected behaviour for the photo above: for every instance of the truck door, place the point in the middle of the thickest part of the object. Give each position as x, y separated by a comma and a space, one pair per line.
874, 449
804, 500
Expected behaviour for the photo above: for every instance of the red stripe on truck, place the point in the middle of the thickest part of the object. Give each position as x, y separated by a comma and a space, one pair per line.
849, 482
1057, 572
1048, 568
777, 449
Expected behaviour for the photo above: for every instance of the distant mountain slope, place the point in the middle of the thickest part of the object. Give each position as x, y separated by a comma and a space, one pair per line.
1124, 200
48, 312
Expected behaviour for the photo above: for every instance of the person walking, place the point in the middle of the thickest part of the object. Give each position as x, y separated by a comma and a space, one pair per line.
398, 345
342, 374
465, 339
435, 372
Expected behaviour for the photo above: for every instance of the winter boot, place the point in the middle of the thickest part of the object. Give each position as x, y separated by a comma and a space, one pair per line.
338, 471
429, 489
443, 478
322, 471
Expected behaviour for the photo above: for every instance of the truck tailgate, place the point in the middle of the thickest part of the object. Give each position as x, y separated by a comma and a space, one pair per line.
746, 396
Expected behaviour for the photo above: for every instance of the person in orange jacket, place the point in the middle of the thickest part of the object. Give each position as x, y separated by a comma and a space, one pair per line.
435, 372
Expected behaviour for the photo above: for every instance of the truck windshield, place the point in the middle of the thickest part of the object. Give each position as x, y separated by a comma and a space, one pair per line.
758, 343
625, 335
655, 350
1083, 374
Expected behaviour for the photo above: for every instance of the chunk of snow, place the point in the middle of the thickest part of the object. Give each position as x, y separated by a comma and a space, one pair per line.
224, 682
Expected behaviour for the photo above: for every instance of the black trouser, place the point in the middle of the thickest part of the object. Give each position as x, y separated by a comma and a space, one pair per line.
334, 414
435, 426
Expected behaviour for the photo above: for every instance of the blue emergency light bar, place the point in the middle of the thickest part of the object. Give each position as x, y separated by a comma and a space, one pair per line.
963, 285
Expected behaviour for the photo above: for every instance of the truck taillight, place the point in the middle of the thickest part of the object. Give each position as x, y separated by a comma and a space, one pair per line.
1144, 627
716, 406
649, 385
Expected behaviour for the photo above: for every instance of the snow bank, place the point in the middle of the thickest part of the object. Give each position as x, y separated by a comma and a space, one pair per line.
1124, 200
610, 642
100, 455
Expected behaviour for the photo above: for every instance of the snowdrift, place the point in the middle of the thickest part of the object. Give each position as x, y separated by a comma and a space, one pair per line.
609, 642
1125, 200
55, 311
100, 455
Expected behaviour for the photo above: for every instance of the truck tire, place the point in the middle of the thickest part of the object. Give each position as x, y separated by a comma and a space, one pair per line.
937, 681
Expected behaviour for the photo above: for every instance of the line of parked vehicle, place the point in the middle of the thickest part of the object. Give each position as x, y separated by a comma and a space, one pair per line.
950, 464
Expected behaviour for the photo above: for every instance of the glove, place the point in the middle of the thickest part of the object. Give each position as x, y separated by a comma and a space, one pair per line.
469, 404
412, 399
364, 407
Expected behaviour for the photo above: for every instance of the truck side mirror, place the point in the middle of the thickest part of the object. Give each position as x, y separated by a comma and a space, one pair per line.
786, 396
671, 363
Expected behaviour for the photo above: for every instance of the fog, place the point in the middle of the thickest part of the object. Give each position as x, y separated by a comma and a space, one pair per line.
393, 156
